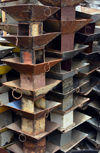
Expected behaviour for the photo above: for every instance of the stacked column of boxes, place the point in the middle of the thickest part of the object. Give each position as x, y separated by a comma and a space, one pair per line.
63, 46
32, 85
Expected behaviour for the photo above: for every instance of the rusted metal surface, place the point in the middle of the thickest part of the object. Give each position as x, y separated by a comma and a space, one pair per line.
68, 54
83, 15
88, 88
17, 147
30, 12
3, 151
66, 74
86, 38
32, 42
61, 3
29, 146
50, 127
16, 107
12, 29
4, 50
93, 67
67, 13
50, 83
30, 69
32, 82
94, 122
78, 102
65, 27
84, 56
77, 87
33, 127
77, 137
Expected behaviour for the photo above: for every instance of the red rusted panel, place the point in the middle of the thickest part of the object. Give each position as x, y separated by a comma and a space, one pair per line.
65, 27
67, 13
35, 147
32, 82
61, 3
31, 68
88, 29
67, 42
30, 12
32, 42
27, 57
3, 151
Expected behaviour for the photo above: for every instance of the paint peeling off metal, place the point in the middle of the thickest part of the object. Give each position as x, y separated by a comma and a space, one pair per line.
16, 107
78, 102
61, 3
93, 67
86, 38
50, 127
50, 83
95, 105
30, 12
32, 42
77, 137
79, 118
65, 27
83, 56
66, 74
94, 122
31, 68
68, 54
10, 28
97, 89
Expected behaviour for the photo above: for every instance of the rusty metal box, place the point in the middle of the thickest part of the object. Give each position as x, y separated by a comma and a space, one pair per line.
59, 138
35, 147
33, 127
32, 82
28, 103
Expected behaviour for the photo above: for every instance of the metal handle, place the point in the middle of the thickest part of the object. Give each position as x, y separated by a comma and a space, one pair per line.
48, 67
47, 113
22, 135
77, 90
20, 93
3, 3
97, 145
6, 27
49, 11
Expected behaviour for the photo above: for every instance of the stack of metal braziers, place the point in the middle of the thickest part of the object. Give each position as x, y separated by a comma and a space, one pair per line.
55, 67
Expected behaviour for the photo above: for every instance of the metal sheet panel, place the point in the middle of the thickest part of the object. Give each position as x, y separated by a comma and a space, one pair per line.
30, 12
24, 68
